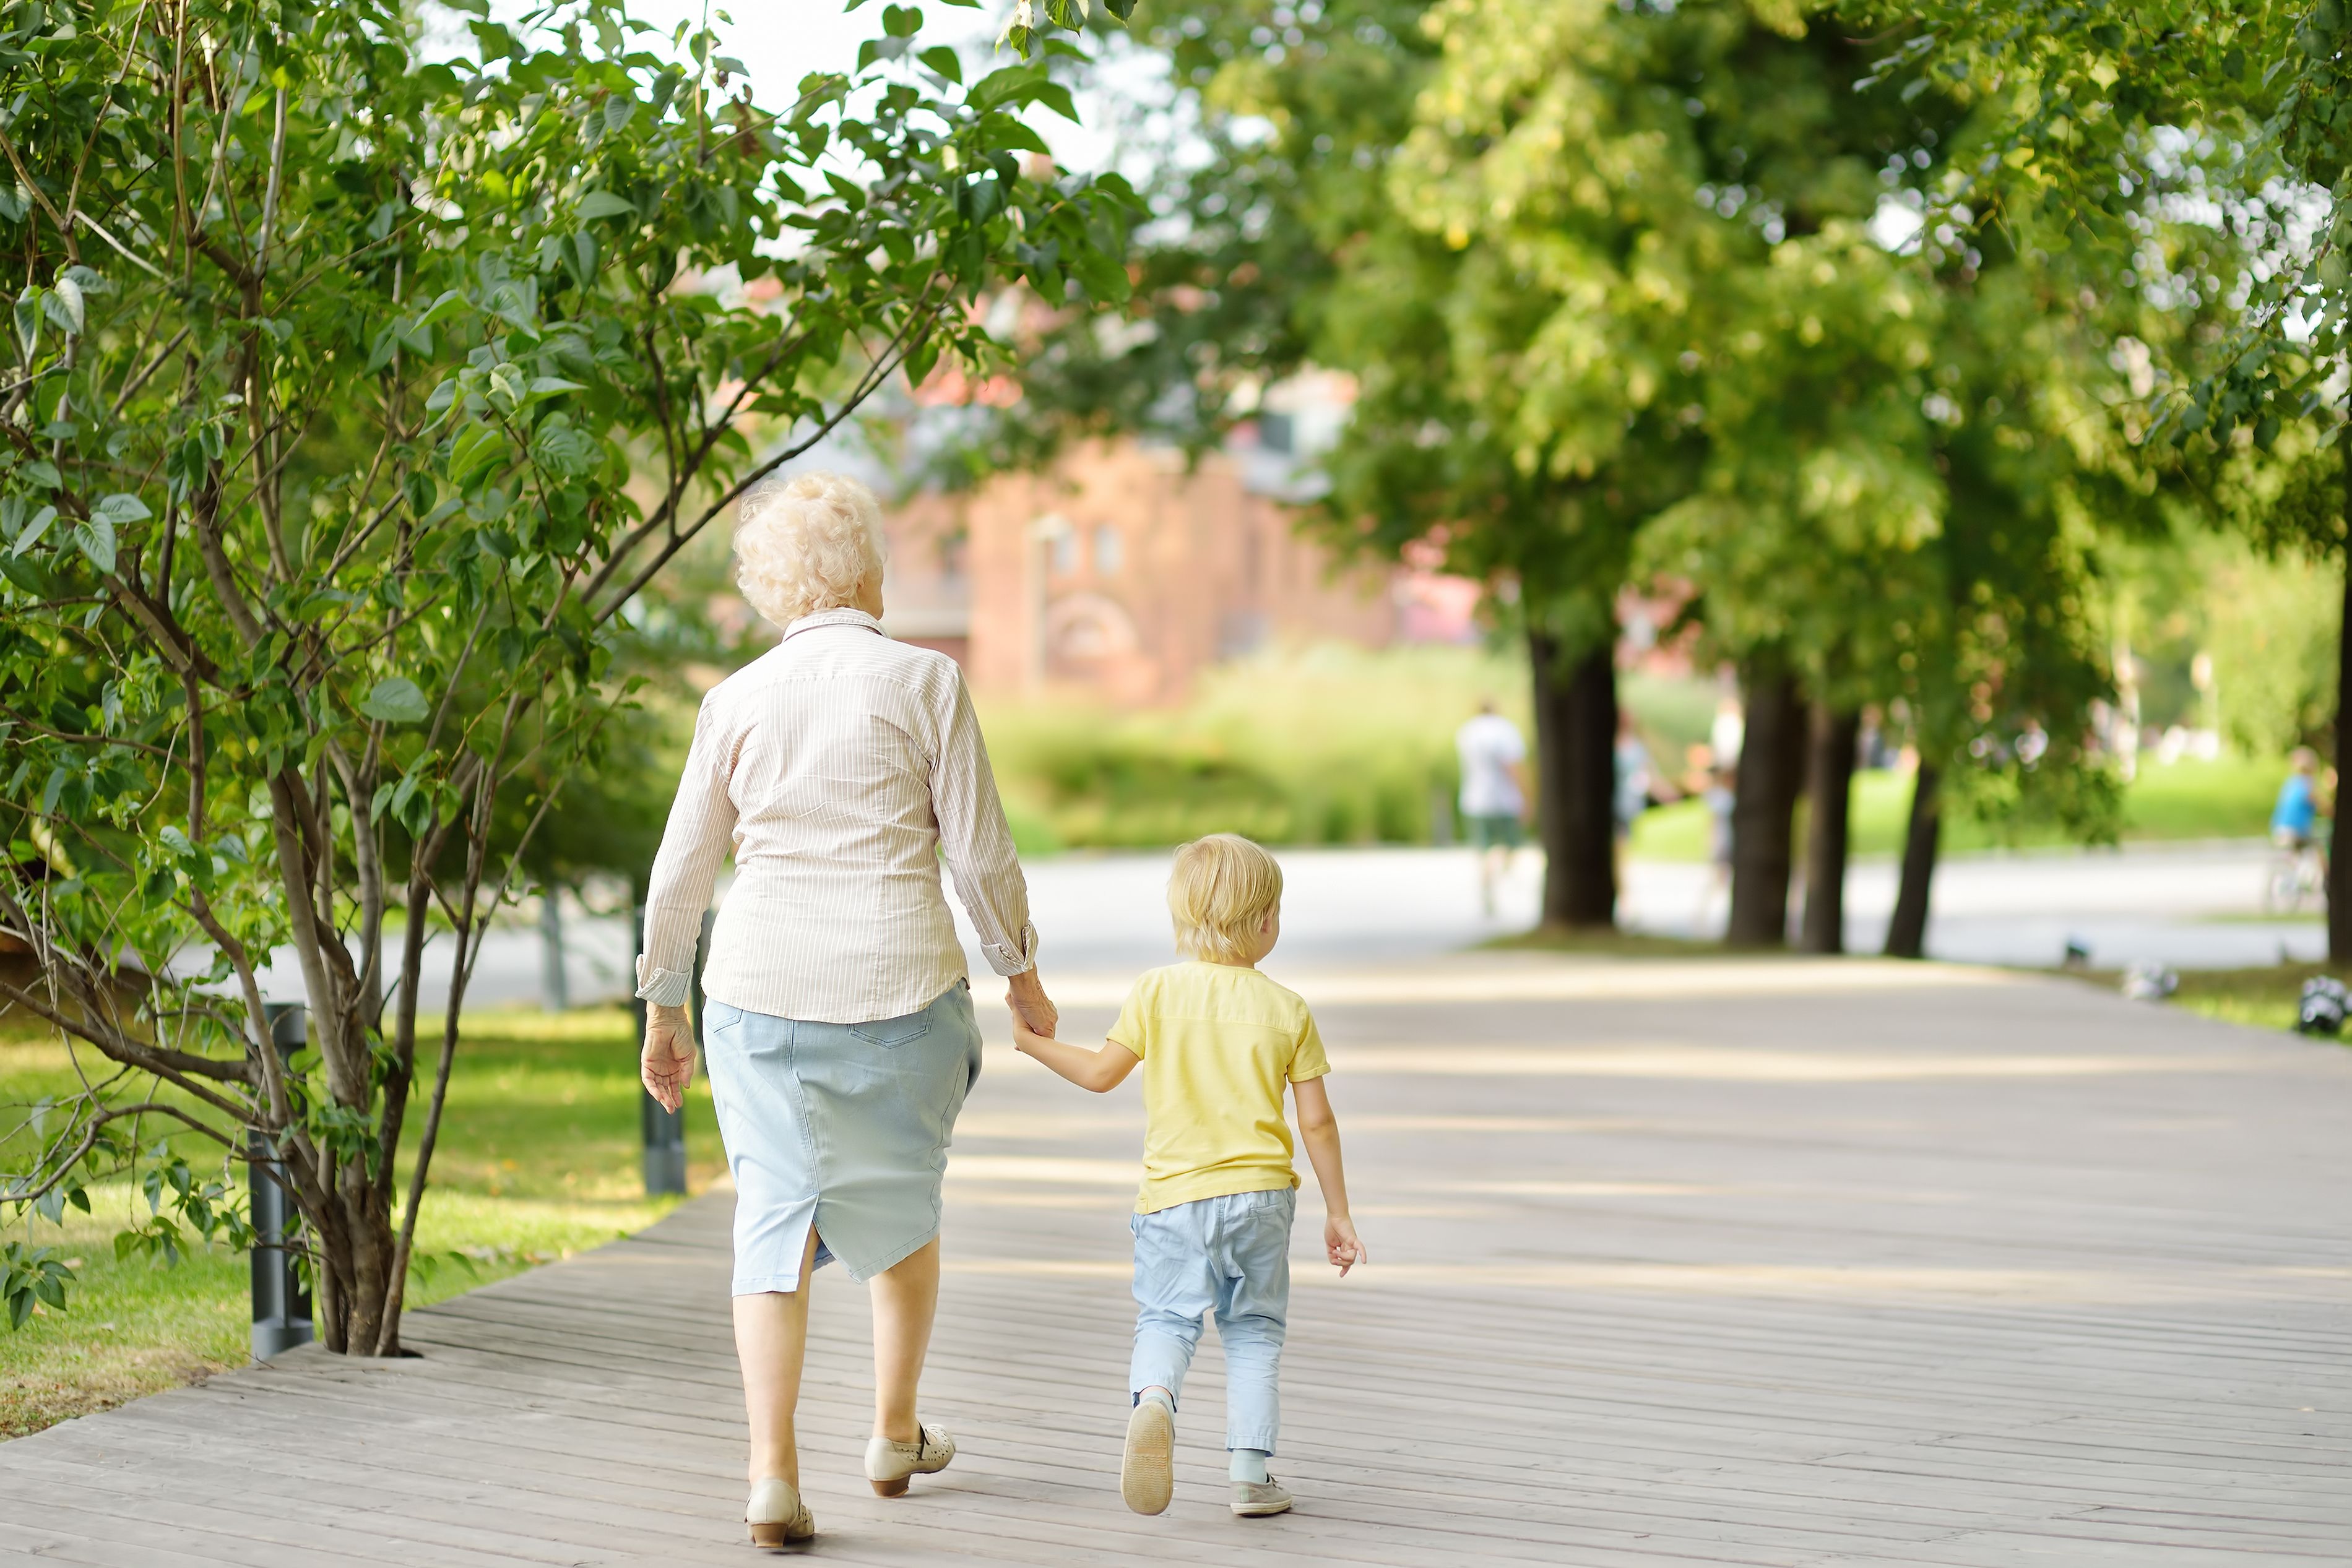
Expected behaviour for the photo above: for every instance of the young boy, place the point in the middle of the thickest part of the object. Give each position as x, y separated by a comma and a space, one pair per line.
1218, 1041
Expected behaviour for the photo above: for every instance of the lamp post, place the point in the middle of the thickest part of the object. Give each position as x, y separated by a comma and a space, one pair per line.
282, 1307
665, 1131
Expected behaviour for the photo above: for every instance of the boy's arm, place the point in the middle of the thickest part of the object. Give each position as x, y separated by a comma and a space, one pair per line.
1320, 1130
1100, 1071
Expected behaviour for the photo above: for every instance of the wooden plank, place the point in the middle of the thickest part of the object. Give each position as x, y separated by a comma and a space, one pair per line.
1877, 1290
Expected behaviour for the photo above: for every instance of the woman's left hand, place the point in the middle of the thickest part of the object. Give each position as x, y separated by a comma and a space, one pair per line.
666, 1064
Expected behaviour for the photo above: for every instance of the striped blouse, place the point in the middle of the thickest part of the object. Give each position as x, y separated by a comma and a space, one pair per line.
843, 767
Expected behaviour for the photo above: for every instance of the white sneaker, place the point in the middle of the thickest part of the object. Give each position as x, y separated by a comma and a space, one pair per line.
776, 1514
888, 1463
1255, 1500
1146, 1471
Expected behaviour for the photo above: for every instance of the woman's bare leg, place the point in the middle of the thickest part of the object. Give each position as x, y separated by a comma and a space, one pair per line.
771, 1338
906, 1298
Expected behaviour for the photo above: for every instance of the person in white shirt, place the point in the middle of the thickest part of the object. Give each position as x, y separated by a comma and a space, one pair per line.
1494, 797
841, 766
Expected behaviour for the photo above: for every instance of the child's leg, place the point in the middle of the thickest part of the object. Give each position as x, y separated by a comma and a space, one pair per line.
1253, 1311
1173, 1290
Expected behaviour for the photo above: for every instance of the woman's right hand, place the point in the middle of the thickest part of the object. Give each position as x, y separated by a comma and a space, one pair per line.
1027, 992
666, 1064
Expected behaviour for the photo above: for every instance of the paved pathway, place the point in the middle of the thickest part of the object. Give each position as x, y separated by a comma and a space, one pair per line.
2191, 906
1775, 1263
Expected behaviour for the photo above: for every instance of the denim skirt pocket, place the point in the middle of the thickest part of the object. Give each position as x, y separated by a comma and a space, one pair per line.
892, 1033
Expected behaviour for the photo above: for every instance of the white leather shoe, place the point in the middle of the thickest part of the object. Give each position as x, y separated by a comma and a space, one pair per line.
776, 1514
889, 1463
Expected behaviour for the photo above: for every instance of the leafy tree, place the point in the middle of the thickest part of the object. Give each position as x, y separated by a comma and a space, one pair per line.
356, 398
2106, 112
1859, 462
1286, 245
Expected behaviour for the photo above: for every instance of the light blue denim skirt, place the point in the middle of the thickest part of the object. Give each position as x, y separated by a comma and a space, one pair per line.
842, 1126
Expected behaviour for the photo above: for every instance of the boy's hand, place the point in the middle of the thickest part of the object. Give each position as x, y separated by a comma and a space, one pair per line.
1342, 1245
1031, 1005
1022, 1033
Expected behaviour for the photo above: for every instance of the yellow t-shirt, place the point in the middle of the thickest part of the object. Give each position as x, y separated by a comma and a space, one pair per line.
1217, 1042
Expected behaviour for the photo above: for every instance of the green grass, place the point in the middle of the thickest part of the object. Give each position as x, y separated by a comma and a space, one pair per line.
2228, 797
539, 1158
2265, 997
1328, 743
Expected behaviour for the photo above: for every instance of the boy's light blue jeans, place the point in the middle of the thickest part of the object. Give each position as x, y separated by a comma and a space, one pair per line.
1229, 1255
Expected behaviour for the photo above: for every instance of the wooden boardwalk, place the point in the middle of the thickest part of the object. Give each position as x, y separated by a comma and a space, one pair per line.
1780, 1263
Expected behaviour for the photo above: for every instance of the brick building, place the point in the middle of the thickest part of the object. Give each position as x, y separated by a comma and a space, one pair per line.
1120, 574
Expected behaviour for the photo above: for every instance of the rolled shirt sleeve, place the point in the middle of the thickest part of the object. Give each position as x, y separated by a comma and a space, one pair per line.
975, 841
701, 827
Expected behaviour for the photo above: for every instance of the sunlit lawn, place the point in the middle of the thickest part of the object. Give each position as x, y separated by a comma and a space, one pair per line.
2228, 797
539, 1158
2266, 997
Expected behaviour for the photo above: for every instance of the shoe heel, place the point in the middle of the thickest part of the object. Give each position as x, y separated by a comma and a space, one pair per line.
769, 1536
890, 1489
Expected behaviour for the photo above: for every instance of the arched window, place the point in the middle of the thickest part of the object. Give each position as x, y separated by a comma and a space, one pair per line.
1110, 551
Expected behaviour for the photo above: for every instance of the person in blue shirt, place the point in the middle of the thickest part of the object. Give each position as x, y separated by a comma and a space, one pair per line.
2294, 820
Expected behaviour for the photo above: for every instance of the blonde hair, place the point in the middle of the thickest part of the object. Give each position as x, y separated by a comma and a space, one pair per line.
1221, 888
807, 544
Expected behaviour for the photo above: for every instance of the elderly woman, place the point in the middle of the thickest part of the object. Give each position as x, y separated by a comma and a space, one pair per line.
843, 767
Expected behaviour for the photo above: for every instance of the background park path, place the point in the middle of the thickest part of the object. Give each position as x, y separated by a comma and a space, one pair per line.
1779, 1263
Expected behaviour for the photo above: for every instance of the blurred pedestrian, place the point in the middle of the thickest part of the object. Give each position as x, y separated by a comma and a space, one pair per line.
1720, 796
2294, 820
1638, 784
1728, 732
1494, 793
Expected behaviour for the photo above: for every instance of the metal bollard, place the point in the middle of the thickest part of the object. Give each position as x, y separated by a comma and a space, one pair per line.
282, 1307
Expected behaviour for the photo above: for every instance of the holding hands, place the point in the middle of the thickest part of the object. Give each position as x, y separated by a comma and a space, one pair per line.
1031, 1005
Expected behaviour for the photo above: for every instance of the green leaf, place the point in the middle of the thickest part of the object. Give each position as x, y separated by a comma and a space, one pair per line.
395, 700
65, 306
594, 204
943, 61
35, 529
122, 507
478, 449
96, 538
1002, 130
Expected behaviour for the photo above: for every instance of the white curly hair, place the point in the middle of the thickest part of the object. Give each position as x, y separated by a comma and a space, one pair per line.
805, 544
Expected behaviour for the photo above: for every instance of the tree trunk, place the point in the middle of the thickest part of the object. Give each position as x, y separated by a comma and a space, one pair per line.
2339, 878
1576, 782
1772, 771
1906, 933
1829, 784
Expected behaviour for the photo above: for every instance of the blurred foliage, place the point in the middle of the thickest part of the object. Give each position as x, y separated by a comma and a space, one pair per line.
2241, 106
1325, 745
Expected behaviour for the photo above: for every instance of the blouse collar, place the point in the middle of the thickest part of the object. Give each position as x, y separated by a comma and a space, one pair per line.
843, 615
